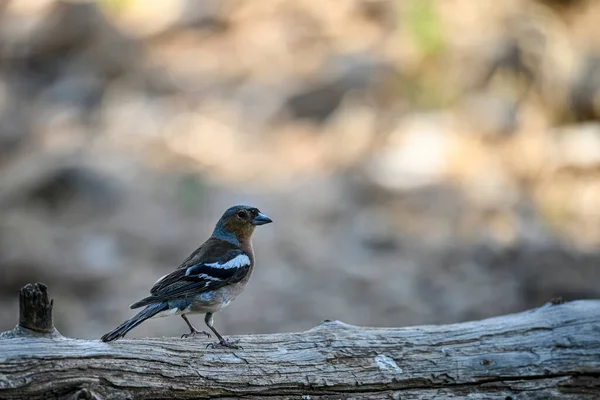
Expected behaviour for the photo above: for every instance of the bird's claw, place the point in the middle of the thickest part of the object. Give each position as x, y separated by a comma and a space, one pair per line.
194, 333
232, 344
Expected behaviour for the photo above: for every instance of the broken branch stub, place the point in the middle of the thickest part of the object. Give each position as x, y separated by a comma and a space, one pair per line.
35, 308
35, 314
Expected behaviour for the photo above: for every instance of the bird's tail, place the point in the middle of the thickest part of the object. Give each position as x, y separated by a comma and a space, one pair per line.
134, 321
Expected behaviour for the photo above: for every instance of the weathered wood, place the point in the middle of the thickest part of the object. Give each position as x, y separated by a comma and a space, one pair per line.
35, 313
552, 352
35, 308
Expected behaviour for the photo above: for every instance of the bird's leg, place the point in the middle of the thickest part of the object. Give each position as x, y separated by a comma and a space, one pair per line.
208, 318
193, 331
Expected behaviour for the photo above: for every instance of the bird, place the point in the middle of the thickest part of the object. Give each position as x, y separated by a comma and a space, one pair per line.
207, 281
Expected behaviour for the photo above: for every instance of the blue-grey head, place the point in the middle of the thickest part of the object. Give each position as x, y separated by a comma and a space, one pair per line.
238, 222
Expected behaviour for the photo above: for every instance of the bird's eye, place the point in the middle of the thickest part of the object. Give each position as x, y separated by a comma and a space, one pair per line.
242, 214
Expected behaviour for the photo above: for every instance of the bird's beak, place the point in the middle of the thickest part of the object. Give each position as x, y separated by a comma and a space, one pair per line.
261, 219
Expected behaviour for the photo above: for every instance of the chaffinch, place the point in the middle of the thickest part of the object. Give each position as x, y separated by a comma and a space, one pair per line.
208, 280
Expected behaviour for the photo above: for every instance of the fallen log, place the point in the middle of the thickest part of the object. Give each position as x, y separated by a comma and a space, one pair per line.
552, 352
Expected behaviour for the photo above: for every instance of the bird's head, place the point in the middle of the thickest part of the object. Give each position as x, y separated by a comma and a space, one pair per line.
238, 223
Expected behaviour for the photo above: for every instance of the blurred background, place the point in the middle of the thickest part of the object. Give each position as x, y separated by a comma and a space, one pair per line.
424, 161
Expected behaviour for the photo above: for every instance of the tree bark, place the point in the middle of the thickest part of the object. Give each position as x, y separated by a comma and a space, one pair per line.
552, 352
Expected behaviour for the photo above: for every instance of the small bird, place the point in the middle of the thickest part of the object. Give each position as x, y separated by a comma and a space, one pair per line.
208, 280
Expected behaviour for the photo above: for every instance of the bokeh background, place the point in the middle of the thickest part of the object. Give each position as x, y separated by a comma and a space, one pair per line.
424, 161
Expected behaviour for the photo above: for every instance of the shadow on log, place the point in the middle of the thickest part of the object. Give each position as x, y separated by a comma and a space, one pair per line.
552, 352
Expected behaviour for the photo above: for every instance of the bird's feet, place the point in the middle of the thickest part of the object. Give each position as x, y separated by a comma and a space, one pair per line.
194, 333
232, 344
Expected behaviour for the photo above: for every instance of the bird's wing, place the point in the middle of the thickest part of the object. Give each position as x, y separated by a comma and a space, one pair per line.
215, 267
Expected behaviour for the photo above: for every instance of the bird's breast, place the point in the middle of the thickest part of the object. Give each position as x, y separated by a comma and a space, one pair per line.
214, 300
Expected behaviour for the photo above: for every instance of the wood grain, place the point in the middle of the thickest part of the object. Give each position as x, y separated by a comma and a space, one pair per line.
552, 352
